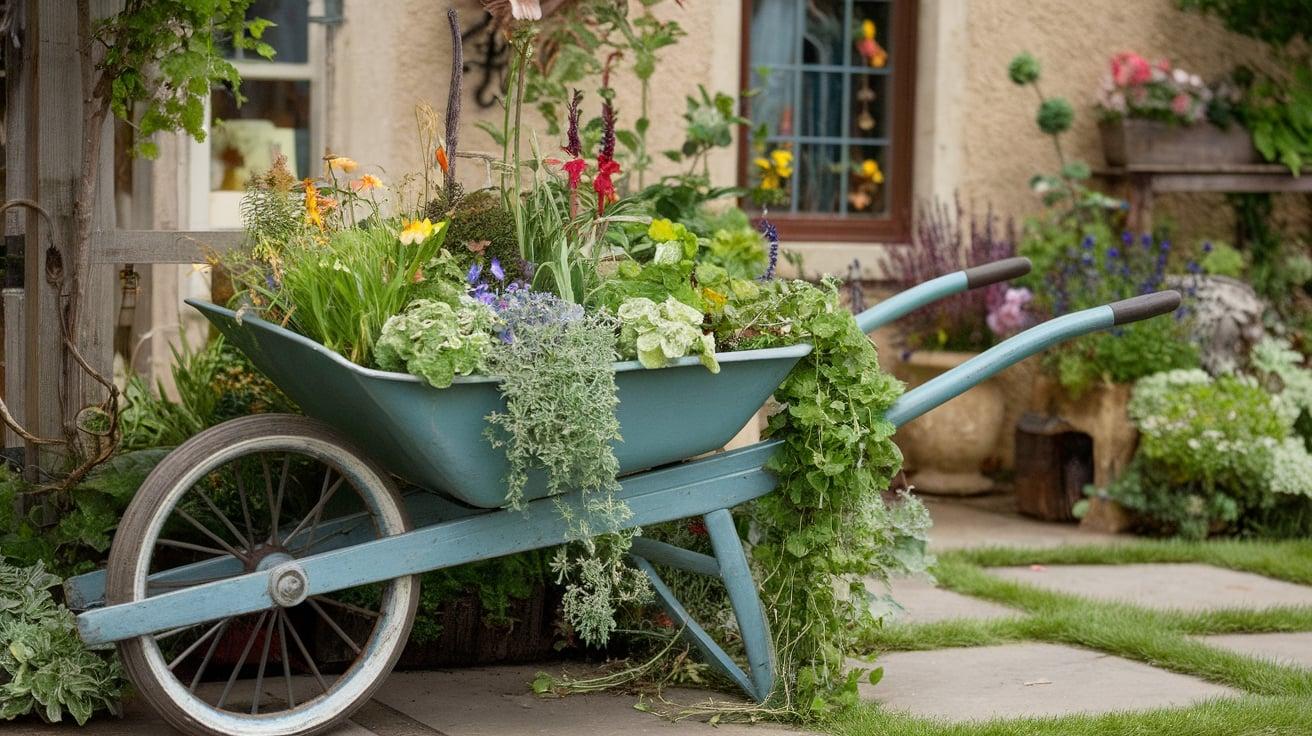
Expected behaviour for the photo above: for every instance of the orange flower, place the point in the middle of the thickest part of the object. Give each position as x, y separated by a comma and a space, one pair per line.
367, 182
312, 214
341, 163
442, 160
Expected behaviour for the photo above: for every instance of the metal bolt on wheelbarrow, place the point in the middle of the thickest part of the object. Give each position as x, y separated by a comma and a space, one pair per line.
325, 543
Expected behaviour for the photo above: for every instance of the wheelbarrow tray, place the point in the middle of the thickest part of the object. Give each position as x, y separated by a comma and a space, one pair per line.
435, 438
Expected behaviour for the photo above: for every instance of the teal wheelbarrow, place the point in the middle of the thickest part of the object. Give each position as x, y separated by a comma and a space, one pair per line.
264, 579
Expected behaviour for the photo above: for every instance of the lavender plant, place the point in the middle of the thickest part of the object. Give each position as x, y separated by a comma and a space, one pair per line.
1099, 270
945, 240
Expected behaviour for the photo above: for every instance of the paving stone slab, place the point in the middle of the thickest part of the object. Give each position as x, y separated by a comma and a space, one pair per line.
1286, 648
495, 701
959, 525
1022, 680
922, 602
481, 701
1185, 586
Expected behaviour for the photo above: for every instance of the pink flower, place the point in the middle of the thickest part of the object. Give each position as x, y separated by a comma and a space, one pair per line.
1180, 104
1009, 316
1130, 68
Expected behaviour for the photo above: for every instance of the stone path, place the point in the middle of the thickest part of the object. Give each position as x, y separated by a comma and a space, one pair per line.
1015, 680
1021, 679
1188, 587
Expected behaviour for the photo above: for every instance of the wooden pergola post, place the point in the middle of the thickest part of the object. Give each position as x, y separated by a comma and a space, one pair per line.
44, 131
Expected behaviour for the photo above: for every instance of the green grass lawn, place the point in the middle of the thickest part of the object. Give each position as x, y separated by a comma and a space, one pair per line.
1278, 700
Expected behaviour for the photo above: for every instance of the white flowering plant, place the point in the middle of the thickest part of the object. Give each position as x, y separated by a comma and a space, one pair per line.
1219, 454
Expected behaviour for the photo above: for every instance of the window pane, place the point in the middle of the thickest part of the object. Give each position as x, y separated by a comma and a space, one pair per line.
826, 37
274, 119
773, 105
822, 105
820, 180
870, 111
289, 34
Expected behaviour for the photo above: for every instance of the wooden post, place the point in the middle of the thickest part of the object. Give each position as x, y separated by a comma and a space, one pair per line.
56, 388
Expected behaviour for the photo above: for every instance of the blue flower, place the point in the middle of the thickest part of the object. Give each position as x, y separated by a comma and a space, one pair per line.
1087, 242
475, 271
1146, 240
496, 270
1166, 246
1194, 267
1127, 237
771, 234
1207, 246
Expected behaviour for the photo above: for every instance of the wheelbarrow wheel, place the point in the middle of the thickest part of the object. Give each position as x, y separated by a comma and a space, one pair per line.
253, 494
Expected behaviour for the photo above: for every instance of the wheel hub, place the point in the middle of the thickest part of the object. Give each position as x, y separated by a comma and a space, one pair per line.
288, 584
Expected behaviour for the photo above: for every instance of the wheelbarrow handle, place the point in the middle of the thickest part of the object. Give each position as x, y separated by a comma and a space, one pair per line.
980, 368
938, 288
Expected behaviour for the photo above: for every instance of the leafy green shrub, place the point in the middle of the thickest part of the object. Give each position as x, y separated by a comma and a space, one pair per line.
1221, 259
659, 333
1215, 454
47, 667
437, 341
214, 384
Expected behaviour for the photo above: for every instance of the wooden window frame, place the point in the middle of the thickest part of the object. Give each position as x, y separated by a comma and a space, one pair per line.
895, 227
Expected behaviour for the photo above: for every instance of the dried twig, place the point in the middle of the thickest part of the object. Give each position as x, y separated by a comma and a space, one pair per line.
453, 99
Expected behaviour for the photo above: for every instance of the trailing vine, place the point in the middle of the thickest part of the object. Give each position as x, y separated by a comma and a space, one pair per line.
827, 530
557, 373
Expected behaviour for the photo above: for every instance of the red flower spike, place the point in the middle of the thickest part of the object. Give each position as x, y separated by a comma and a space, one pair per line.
575, 170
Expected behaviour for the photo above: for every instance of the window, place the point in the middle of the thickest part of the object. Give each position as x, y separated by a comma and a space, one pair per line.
280, 115
836, 82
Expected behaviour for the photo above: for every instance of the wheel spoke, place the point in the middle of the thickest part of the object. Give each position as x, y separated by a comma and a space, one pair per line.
274, 505
312, 542
264, 660
300, 645
195, 644
243, 541
348, 606
241, 661
286, 660
325, 496
209, 654
245, 508
193, 547
333, 624
214, 537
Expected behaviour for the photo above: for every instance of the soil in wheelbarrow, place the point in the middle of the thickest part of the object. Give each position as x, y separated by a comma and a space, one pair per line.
467, 638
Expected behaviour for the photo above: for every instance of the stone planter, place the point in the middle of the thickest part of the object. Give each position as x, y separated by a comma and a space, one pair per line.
1101, 413
946, 448
1130, 142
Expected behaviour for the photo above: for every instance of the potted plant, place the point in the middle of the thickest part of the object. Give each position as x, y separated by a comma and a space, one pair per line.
948, 447
1151, 113
1093, 375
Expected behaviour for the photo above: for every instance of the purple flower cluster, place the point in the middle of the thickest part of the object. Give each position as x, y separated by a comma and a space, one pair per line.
1098, 273
520, 307
771, 234
947, 239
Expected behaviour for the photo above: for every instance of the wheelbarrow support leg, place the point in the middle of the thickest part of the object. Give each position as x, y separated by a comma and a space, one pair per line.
730, 565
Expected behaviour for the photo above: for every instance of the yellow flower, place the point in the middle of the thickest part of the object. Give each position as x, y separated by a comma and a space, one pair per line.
868, 29
342, 164
367, 182
312, 214
782, 161
870, 170
776, 168
417, 231
662, 231
714, 297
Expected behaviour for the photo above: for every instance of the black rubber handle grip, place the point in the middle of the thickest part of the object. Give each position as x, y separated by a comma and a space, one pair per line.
1143, 307
991, 273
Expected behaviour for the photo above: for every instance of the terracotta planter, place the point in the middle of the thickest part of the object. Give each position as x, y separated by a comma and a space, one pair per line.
946, 448
1130, 142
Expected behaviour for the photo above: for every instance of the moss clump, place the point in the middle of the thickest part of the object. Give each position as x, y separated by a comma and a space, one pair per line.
480, 230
